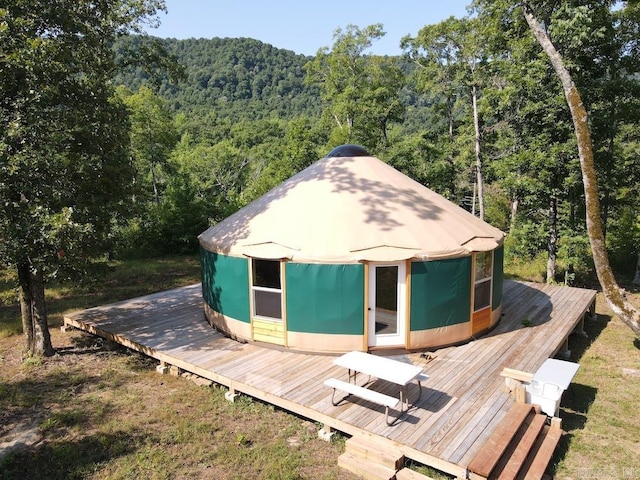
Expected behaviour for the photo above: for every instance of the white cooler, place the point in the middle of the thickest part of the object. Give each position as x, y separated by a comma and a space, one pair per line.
549, 383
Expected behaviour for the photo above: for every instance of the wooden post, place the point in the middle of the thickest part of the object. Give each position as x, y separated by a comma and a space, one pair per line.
326, 433
231, 395
521, 394
163, 368
564, 351
514, 378
579, 330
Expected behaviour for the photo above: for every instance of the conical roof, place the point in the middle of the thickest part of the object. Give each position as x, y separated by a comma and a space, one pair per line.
347, 210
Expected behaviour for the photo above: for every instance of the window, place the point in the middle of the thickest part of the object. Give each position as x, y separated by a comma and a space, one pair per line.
266, 288
483, 276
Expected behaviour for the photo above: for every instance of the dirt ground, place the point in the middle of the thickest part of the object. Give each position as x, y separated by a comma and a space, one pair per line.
97, 410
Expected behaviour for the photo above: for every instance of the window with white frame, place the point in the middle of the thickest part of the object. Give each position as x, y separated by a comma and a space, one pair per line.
266, 289
483, 277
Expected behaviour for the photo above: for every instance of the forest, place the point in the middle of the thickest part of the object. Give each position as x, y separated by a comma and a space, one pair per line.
246, 116
116, 143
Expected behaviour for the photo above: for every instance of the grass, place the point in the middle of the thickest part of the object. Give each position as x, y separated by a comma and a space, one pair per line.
600, 412
105, 413
532, 270
101, 412
105, 282
535, 270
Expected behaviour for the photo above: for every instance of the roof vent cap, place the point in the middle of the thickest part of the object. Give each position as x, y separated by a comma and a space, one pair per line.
348, 150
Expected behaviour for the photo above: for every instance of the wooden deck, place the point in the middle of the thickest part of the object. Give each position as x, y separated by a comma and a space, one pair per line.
462, 402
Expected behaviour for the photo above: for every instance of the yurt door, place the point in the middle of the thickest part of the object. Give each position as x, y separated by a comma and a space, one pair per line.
387, 304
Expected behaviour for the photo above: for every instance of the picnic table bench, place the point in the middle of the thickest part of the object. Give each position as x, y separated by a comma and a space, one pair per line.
383, 368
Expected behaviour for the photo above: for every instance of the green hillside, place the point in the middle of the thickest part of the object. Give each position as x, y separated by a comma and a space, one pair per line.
236, 77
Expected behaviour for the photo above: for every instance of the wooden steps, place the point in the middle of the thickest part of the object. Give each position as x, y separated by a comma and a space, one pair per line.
371, 458
365, 469
520, 448
408, 474
376, 459
542, 453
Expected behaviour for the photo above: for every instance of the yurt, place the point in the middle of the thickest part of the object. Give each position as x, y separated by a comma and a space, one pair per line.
351, 254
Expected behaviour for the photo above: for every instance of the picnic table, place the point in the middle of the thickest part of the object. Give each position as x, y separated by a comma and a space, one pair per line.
382, 368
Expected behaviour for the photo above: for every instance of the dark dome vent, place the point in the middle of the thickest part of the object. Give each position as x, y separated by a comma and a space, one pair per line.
348, 151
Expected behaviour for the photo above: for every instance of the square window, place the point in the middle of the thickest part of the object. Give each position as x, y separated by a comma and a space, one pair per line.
484, 265
267, 304
482, 295
483, 271
266, 273
267, 289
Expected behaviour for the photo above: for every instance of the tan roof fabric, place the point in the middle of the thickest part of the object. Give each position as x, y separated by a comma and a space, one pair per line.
479, 244
347, 210
268, 251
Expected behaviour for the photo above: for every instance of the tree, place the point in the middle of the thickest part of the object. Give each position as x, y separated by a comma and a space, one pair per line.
450, 55
241, 78
153, 136
217, 173
360, 92
613, 293
64, 168
535, 156
532, 153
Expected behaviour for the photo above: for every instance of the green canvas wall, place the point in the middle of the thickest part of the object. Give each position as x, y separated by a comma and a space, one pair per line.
330, 298
225, 284
325, 298
440, 293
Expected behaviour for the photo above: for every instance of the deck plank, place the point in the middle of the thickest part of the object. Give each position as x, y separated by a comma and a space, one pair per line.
462, 402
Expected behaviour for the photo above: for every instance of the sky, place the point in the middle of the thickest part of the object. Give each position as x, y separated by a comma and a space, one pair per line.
303, 27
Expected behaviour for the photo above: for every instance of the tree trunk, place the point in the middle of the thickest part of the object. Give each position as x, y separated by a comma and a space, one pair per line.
25, 306
608, 164
450, 157
37, 340
473, 200
636, 279
552, 240
612, 292
154, 180
41, 338
476, 126
515, 203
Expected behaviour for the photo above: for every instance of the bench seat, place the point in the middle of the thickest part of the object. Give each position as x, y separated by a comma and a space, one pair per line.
364, 393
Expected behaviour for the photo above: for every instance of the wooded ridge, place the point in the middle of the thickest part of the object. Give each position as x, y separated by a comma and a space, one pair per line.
240, 78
